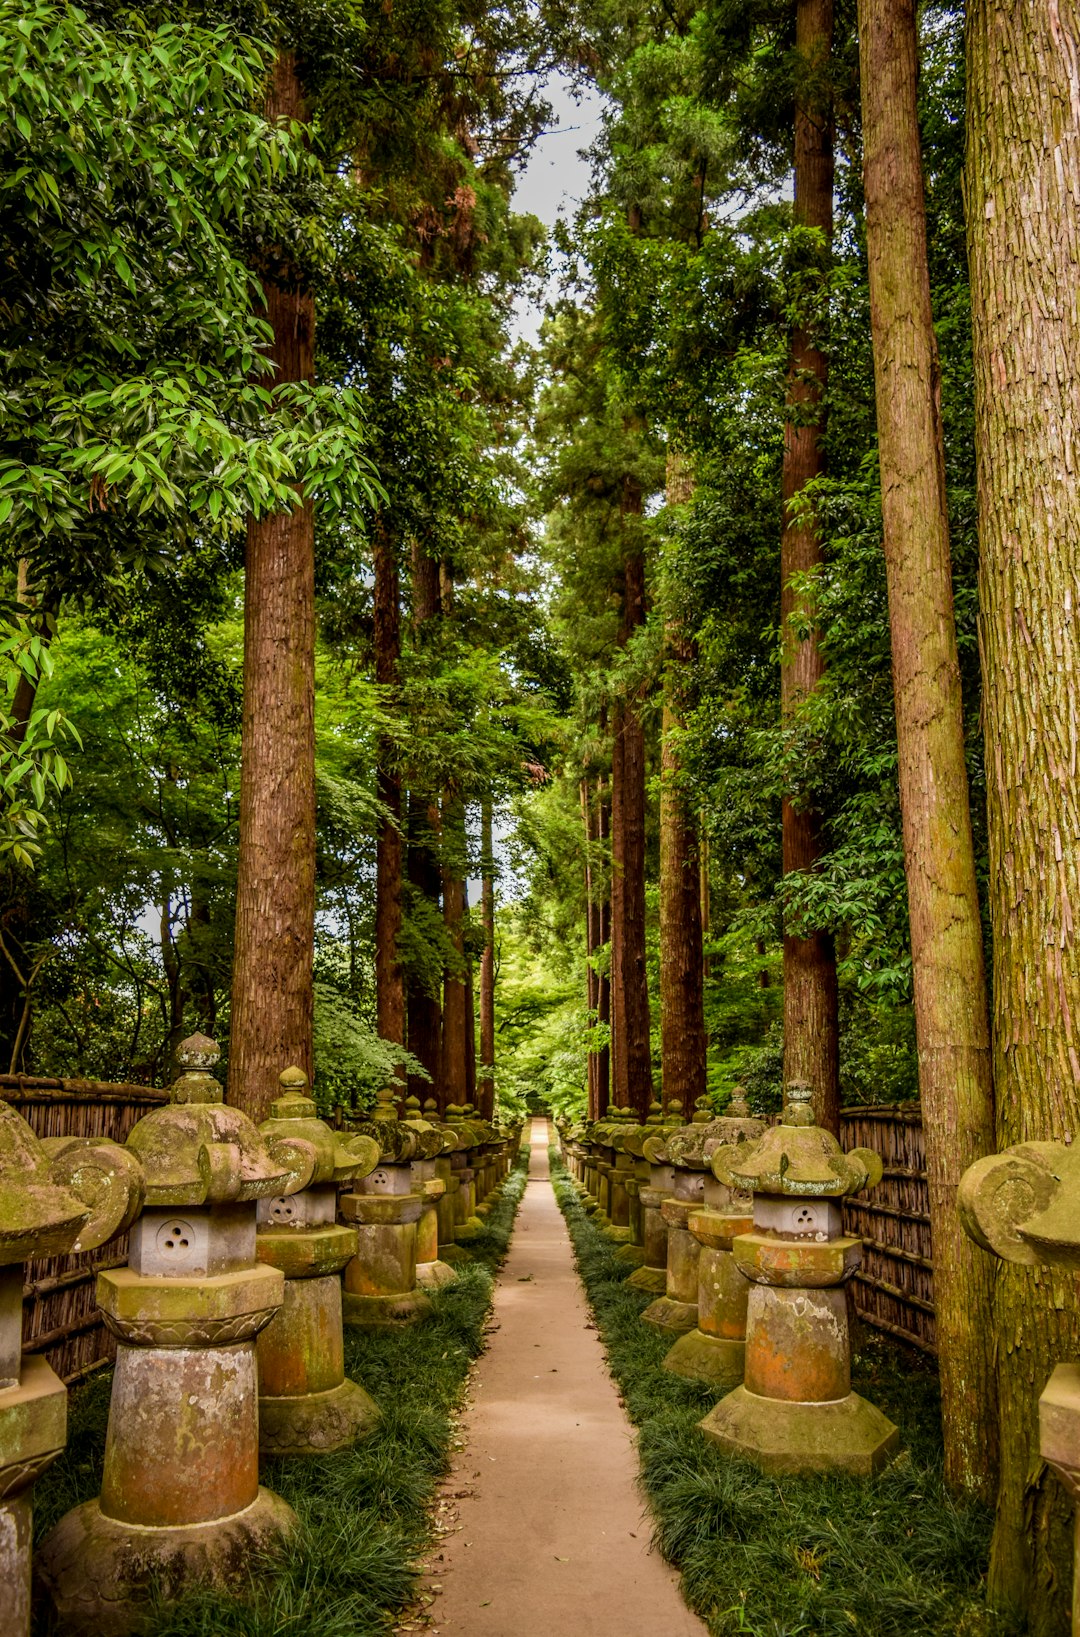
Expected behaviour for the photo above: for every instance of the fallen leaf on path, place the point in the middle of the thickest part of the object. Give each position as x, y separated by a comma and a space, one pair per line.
562, 1560
523, 1279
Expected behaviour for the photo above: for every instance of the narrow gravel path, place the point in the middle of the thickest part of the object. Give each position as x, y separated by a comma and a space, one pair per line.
547, 1532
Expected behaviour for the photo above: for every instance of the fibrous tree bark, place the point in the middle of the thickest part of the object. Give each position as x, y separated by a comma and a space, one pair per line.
682, 1014
811, 1030
423, 1006
951, 1012
389, 978
272, 996
485, 1089
1023, 214
602, 1058
453, 1068
633, 1086
592, 935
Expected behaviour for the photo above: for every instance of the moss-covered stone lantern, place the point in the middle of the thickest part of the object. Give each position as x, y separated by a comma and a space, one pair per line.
431, 1271
1024, 1206
795, 1411
56, 1196
682, 1154
380, 1287
651, 1276
714, 1351
180, 1503
307, 1406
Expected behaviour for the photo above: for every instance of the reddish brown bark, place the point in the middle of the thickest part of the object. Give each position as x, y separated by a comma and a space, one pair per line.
486, 1085
951, 1017
272, 998
682, 1005
603, 981
633, 1086
1022, 187
455, 1020
424, 1007
389, 979
592, 930
811, 1031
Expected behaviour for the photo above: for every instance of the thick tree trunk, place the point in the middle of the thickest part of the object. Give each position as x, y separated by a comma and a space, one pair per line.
454, 1063
603, 980
633, 1060
811, 1030
486, 1086
423, 1007
470, 1025
1023, 211
951, 1015
272, 998
389, 979
682, 1007
589, 821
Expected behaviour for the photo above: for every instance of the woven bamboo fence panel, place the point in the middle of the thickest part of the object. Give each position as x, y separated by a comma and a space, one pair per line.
60, 1315
894, 1288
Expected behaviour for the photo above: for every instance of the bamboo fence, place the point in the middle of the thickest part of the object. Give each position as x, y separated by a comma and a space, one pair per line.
60, 1315
894, 1287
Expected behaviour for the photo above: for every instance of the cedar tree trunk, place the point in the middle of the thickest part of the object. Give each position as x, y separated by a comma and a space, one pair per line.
951, 1015
1023, 211
811, 1030
423, 1007
455, 1021
603, 980
630, 989
486, 1086
682, 1013
389, 979
272, 998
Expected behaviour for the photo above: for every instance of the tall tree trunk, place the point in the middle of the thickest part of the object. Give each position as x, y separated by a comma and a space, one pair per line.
389, 978
603, 980
423, 1006
951, 1015
633, 1059
592, 930
454, 1072
272, 997
1023, 207
486, 1085
682, 1006
811, 1029
706, 896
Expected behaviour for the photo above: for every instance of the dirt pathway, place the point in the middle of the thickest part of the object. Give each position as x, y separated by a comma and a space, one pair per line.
550, 1534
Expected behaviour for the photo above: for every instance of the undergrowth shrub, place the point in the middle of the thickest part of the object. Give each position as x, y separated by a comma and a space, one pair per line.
823, 1556
364, 1513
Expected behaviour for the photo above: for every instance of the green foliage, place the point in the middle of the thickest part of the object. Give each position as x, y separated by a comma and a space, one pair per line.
898, 1556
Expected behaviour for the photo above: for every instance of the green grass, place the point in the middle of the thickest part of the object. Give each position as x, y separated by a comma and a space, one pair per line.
897, 1556
365, 1513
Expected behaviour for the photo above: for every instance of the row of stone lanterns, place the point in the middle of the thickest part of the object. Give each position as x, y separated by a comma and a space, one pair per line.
228, 1321
744, 1221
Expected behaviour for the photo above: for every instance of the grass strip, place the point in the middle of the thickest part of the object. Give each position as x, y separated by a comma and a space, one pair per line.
364, 1513
897, 1556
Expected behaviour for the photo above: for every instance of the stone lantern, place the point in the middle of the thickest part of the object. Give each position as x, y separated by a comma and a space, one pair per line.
651, 1276
430, 1271
450, 1252
1024, 1206
307, 1406
56, 1196
681, 1151
380, 1280
180, 1504
795, 1411
715, 1350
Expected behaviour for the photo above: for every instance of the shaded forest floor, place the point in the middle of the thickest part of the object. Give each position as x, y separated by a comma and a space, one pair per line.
820, 1556
365, 1514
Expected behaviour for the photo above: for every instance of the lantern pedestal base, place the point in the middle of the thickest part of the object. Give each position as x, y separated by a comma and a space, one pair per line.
618, 1236
651, 1280
715, 1359
668, 1314
432, 1275
468, 1230
847, 1435
316, 1423
634, 1254
96, 1573
377, 1312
